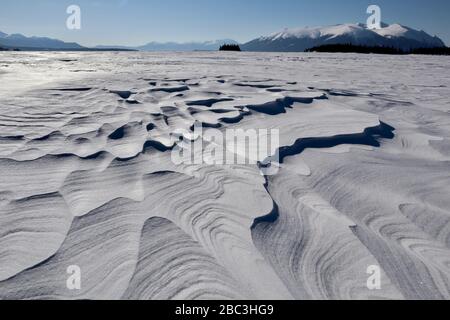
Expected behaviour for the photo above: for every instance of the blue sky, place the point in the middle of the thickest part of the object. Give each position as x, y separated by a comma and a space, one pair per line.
135, 22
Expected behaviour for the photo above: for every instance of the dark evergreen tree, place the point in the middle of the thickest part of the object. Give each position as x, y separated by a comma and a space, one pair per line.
442, 51
230, 47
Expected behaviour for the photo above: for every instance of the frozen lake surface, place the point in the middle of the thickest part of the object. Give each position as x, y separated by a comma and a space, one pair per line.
87, 177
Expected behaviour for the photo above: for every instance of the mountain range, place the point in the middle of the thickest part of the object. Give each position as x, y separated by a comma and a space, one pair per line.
19, 41
187, 46
288, 40
298, 40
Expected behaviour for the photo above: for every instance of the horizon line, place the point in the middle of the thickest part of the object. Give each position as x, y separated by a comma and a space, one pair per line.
204, 41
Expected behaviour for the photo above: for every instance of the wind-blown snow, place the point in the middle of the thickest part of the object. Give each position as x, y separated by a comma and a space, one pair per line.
87, 176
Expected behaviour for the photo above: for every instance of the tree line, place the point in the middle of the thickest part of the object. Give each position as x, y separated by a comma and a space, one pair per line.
350, 48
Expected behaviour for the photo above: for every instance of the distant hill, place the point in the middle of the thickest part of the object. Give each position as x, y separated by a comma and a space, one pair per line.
188, 46
176, 46
22, 42
19, 41
298, 40
114, 47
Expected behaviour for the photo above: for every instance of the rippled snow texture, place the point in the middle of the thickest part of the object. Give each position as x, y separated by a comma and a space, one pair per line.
87, 177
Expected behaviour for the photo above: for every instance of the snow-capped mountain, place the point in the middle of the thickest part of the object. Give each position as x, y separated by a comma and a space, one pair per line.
293, 40
402, 36
20, 41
